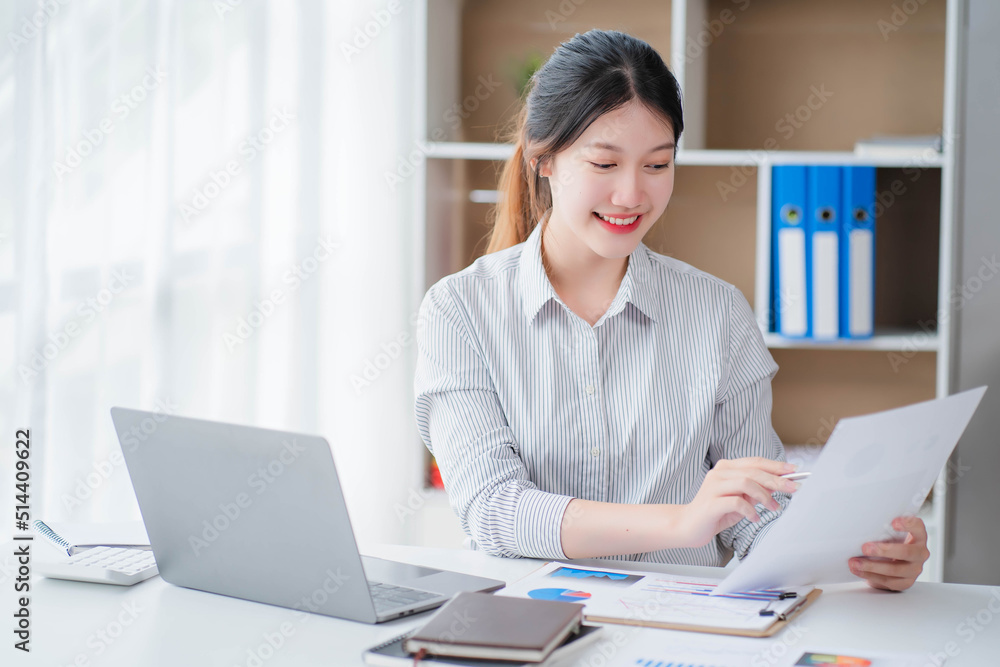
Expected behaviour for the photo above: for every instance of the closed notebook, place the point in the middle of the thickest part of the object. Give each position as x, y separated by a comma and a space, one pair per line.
481, 625
393, 654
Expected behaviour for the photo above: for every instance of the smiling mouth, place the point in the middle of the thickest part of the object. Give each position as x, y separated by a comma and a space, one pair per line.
621, 222
619, 225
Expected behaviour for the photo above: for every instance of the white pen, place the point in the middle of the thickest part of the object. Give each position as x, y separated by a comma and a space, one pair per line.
796, 475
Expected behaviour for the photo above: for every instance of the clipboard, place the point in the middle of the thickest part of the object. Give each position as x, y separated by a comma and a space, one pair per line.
660, 600
779, 624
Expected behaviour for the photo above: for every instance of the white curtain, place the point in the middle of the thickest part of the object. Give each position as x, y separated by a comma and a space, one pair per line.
196, 219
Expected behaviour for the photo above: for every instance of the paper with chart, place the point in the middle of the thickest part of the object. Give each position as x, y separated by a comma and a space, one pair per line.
871, 470
649, 597
688, 649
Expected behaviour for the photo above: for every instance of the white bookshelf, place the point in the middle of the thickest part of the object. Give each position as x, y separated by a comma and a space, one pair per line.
442, 192
882, 341
466, 150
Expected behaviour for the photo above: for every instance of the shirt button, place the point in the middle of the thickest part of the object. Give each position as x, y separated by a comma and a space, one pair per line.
595, 452
591, 389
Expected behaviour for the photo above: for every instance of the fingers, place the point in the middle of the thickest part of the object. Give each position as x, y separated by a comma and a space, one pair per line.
759, 462
754, 483
913, 525
765, 472
775, 483
741, 506
904, 561
889, 575
913, 551
739, 485
884, 583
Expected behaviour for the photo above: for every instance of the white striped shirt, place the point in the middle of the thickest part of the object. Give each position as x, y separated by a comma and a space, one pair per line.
526, 406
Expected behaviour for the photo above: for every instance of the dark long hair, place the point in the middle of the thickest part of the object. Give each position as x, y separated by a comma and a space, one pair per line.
587, 76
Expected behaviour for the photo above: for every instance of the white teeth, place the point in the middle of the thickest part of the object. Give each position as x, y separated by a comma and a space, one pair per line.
620, 221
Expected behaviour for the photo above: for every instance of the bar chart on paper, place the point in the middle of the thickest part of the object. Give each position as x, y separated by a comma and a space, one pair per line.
685, 649
724, 659
660, 663
704, 657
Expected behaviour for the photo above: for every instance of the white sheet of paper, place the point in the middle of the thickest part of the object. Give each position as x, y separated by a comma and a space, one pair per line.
872, 469
667, 648
682, 649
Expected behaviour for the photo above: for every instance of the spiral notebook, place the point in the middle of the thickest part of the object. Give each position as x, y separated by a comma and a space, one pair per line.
76, 537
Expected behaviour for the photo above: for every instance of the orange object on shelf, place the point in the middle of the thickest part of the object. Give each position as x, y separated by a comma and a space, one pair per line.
435, 475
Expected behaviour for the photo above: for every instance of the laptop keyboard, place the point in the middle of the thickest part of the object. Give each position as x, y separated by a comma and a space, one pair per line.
388, 596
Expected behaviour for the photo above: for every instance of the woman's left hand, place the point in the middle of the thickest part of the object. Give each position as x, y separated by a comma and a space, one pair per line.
906, 558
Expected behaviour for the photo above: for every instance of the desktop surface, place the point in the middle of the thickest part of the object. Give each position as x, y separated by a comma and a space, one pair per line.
154, 623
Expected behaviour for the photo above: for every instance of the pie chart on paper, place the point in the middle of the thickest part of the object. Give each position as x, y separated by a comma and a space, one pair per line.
560, 594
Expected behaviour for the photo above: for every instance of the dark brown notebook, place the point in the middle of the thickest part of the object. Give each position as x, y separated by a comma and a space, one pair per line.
481, 625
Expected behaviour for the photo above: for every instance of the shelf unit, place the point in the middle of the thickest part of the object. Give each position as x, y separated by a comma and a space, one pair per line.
882, 75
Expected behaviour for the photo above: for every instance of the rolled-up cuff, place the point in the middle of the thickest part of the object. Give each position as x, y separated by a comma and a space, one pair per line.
758, 537
538, 524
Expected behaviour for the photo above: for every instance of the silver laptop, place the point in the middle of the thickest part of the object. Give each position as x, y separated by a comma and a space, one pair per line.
259, 515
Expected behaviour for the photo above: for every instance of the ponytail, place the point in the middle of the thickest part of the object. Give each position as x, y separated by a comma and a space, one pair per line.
523, 197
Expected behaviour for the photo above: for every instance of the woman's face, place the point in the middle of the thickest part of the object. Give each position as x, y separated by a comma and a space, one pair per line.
621, 168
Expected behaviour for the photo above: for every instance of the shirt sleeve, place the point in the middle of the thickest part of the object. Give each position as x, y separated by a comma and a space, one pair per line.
742, 426
462, 423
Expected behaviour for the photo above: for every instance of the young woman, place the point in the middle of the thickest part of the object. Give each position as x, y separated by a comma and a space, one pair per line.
583, 395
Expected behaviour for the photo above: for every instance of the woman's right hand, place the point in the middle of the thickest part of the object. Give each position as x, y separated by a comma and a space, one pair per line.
729, 493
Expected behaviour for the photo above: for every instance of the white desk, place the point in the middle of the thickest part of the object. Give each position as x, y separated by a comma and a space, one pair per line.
164, 625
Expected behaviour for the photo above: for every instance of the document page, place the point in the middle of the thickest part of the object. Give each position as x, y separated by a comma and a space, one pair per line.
871, 470
649, 597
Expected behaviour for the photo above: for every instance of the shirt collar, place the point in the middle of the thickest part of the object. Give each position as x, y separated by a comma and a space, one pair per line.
536, 290
534, 285
638, 286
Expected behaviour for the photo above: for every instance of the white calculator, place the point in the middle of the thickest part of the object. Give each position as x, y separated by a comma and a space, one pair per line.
102, 565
